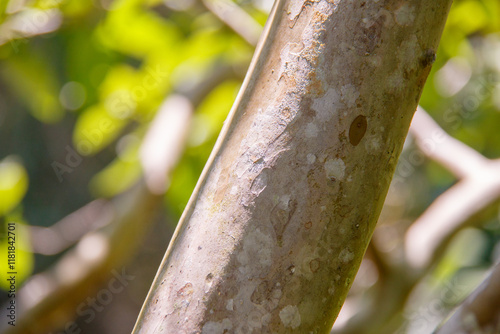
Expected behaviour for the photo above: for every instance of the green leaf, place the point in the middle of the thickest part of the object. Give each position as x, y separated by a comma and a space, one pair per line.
468, 16
122, 172
13, 185
132, 30
96, 128
214, 109
15, 251
33, 81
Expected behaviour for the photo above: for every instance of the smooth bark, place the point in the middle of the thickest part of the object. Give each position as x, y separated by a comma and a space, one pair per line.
276, 229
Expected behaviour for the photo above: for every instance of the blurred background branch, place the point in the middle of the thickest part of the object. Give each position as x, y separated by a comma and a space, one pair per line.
480, 312
477, 192
235, 18
99, 252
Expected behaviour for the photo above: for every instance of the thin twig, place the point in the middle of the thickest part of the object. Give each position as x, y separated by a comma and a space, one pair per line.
451, 153
27, 23
236, 19
66, 232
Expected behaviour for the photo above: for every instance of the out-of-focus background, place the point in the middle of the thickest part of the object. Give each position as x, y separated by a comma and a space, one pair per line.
85, 83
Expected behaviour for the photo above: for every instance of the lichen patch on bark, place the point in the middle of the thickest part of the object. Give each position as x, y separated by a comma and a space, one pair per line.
290, 316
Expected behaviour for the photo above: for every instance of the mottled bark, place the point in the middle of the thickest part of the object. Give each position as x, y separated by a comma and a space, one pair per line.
281, 217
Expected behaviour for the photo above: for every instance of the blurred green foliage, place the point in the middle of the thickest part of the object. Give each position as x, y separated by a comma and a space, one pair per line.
13, 184
462, 90
23, 263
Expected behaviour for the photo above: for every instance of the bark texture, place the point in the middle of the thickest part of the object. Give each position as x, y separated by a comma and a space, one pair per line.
282, 215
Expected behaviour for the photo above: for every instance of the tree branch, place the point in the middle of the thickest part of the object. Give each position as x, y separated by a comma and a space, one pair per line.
451, 153
65, 233
480, 312
236, 19
477, 193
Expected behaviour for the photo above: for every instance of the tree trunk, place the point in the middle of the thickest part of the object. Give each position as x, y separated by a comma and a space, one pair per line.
278, 224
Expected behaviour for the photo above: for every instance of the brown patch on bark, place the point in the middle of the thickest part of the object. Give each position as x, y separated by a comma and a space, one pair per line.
357, 129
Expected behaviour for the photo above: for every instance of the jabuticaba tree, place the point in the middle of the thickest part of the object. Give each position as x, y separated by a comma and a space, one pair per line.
277, 226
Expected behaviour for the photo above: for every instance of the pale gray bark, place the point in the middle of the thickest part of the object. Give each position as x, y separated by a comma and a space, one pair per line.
281, 217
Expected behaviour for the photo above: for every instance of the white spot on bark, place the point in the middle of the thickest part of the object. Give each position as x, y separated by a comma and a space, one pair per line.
230, 305
212, 327
256, 319
373, 144
327, 105
234, 190
405, 15
266, 318
335, 169
349, 94
346, 255
311, 158
396, 80
208, 285
290, 316
311, 130
259, 184
256, 252
375, 60
284, 201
